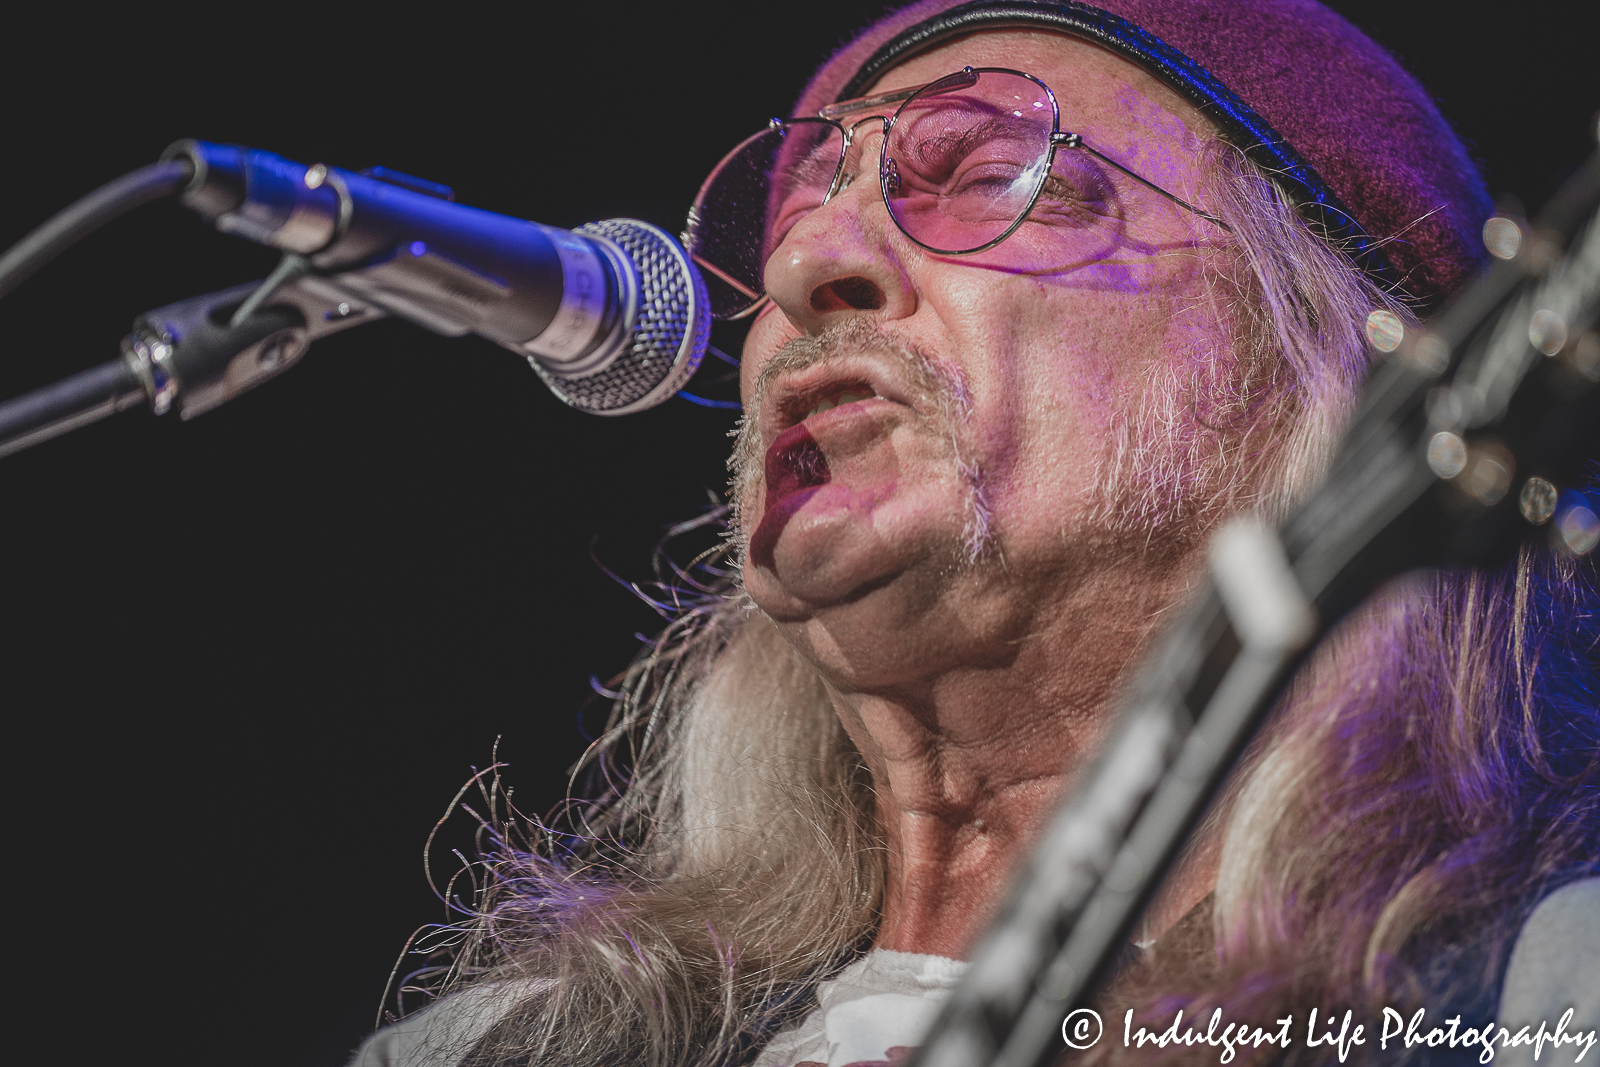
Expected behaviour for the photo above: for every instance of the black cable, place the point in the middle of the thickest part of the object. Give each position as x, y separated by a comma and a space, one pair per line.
71, 225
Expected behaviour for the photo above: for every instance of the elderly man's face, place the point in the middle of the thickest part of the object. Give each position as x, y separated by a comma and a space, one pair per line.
965, 487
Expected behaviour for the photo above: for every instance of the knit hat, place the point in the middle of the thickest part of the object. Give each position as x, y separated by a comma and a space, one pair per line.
1354, 139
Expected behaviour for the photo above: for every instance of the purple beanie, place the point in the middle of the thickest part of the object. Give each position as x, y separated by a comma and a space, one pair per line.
1357, 142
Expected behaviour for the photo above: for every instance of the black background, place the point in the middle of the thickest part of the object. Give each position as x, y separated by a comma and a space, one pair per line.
248, 659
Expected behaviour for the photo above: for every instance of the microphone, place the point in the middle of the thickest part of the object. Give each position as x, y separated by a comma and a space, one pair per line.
612, 316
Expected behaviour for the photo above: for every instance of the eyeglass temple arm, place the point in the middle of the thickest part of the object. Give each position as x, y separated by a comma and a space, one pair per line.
964, 78
867, 103
1073, 140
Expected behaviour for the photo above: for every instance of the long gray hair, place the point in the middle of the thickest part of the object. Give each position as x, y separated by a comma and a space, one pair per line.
729, 857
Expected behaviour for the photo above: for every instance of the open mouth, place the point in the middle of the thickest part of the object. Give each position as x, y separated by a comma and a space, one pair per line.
844, 396
800, 396
795, 465
795, 468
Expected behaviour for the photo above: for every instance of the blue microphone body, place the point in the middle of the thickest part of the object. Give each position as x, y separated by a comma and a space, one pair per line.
612, 316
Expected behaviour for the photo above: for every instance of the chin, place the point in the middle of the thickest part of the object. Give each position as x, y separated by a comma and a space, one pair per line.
901, 628
834, 543
827, 592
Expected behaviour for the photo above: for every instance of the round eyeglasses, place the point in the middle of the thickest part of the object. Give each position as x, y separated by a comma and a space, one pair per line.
963, 162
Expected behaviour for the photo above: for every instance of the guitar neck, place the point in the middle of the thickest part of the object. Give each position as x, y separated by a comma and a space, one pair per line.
1456, 429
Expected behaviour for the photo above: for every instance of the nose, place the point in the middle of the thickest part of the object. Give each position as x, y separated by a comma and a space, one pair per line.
840, 262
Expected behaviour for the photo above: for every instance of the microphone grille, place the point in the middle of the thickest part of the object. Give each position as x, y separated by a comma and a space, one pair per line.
669, 334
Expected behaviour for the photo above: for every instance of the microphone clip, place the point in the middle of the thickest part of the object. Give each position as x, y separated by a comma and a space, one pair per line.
199, 353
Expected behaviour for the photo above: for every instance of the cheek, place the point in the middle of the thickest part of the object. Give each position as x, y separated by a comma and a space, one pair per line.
768, 333
1049, 361
1054, 368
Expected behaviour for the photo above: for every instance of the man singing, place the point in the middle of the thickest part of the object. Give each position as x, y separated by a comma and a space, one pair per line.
1040, 293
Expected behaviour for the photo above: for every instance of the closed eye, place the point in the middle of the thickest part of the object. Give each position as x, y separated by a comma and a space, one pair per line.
1078, 187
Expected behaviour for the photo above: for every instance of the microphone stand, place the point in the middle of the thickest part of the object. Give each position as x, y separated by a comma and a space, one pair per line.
192, 355
1438, 469
77, 401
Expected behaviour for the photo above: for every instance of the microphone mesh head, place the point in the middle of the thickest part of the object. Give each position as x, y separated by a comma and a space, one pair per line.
668, 336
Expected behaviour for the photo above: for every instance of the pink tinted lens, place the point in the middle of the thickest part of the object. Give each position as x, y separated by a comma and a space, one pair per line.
963, 162
753, 198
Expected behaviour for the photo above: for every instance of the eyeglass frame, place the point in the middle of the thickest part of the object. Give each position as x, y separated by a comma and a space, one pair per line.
832, 113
